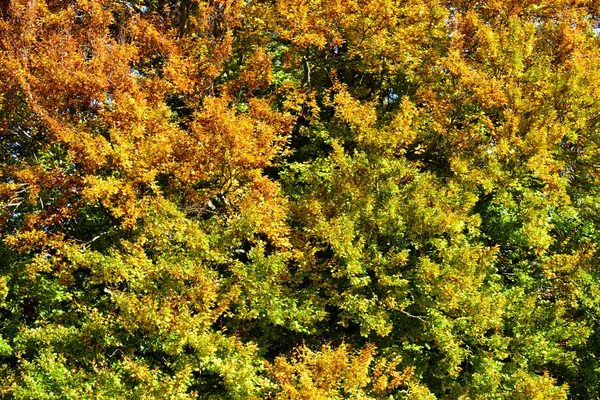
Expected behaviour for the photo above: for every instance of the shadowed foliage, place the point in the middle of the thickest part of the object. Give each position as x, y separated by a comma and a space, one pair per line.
324, 199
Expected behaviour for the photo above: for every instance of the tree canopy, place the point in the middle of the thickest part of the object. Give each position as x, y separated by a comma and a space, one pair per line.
299, 199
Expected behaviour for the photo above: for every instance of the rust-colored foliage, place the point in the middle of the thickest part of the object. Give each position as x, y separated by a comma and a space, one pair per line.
299, 199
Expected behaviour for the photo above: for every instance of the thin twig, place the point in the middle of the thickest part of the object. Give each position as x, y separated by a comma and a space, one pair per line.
422, 318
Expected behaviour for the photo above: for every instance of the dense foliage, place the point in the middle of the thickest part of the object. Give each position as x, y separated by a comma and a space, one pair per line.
299, 199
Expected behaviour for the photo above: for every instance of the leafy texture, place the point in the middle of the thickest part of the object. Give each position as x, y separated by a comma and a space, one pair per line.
299, 199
